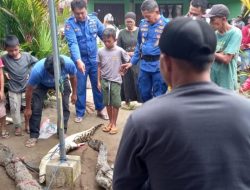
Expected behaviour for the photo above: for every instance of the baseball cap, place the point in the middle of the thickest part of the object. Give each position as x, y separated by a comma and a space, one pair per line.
189, 39
218, 10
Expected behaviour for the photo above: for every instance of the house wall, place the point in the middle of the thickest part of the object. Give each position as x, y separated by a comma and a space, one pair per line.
130, 5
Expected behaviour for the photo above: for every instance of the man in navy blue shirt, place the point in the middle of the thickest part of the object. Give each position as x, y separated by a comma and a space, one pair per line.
40, 81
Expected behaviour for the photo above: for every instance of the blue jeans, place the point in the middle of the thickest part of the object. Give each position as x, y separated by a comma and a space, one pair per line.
38, 96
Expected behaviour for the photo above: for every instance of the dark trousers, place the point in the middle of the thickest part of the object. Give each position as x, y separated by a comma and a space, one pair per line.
38, 97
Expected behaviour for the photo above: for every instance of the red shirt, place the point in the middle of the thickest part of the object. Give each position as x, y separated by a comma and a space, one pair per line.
245, 36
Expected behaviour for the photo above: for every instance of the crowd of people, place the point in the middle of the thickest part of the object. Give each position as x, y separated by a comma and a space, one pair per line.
183, 139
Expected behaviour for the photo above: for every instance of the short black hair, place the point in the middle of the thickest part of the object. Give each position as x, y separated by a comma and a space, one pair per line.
109, 32
149, 5
48, 64
203, 4
11, 41
79, 4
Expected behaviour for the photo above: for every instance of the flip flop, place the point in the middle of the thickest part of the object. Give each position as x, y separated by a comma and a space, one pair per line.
107, 128
31, 142
113, 130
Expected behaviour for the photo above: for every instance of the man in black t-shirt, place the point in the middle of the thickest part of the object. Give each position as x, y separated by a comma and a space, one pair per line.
196, 137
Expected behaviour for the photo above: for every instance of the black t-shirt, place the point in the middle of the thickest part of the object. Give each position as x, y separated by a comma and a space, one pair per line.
196, 137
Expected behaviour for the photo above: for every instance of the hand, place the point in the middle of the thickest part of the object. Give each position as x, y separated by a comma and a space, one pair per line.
130, 54
73, 98
99, 86
80, 66
7, 76
124, 68
27, 114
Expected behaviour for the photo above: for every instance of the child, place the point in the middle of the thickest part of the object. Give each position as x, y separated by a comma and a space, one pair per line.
4, 133
17, 67
109, 60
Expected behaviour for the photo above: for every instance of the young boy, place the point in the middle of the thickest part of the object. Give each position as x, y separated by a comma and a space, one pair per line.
4, 132
109, 60
17, 67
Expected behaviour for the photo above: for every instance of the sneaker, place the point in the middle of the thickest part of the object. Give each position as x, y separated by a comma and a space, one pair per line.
78, 119
246, 86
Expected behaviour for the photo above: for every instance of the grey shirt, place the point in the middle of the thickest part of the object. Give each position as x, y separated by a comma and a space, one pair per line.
18, 70
110, 61
197, 137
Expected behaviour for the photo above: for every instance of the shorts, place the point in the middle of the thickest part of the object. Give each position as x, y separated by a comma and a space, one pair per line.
111, 93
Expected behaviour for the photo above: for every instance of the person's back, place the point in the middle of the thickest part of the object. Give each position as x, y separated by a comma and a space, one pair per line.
196, 144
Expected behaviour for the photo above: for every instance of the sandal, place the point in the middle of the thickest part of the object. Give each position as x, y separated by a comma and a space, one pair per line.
5, 134
31, 142
107, 128
18, 131
103, 116
78, 120
113, 130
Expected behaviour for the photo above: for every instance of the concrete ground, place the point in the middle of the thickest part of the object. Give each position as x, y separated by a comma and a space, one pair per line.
88, 155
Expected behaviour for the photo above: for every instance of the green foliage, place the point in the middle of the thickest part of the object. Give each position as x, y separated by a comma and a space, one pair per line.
29, 21
62, 16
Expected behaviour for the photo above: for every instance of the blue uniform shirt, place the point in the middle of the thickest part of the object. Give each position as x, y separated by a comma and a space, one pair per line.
147, 44
81, 37
40, 76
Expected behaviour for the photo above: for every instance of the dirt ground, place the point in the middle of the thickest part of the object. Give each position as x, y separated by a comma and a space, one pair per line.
88, 155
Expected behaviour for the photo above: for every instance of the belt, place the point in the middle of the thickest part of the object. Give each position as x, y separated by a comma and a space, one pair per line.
150, 58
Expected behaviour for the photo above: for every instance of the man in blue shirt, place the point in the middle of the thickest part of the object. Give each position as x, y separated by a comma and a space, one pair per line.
40, 81
150, 82
81, 31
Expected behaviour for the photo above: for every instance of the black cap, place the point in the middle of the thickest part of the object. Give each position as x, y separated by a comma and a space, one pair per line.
189, 39
218, 10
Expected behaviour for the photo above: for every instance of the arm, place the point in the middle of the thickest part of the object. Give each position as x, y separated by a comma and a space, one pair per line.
73, 46
33, 60
223, 58
72, 41
100, 28
99, 86
73, 83
137, 54
231, 49
99, 72
130, 172
119, 40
